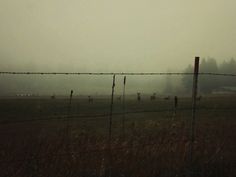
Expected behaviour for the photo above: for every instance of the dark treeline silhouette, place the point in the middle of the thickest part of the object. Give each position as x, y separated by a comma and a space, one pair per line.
207, 83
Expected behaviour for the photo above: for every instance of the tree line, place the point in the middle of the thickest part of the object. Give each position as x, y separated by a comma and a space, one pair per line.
208, 83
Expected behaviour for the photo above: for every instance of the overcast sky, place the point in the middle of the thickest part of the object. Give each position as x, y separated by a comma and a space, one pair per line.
114, 35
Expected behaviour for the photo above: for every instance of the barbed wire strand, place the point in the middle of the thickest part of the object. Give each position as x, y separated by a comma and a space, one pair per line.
112, 73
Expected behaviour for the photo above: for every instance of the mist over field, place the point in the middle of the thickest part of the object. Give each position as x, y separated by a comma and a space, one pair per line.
101, 85
108, 36
165, 125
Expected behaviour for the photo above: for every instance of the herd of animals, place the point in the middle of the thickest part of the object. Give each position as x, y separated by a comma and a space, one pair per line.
152, 97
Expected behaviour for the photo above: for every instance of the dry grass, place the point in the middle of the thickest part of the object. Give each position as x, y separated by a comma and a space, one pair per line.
153, 146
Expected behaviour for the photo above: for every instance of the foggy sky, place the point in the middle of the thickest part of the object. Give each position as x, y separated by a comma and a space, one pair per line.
114, 35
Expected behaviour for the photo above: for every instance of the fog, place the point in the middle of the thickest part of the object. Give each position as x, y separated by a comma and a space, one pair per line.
117, 36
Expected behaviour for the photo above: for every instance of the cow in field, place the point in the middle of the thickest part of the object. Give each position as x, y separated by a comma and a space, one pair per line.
153, 97
167, 98
90, 99
139, 96
199, 98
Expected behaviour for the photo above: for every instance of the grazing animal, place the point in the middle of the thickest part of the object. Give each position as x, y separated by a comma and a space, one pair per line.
199, 98
119, 98
167, 98
90, 99
139, 96
153, 97
176, 101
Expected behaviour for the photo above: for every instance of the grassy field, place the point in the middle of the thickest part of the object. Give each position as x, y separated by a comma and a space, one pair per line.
42, 137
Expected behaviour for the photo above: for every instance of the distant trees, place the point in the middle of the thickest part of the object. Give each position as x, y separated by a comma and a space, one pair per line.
209, 83
187, 79
228, 67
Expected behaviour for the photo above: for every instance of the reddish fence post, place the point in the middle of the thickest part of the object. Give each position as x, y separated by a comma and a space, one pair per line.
71, 94
194, 96
67, 136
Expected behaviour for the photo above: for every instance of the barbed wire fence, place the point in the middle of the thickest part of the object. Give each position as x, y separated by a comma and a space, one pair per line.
115, 73
193, 108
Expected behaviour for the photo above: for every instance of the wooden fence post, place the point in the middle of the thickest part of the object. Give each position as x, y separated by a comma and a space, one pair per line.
194, 96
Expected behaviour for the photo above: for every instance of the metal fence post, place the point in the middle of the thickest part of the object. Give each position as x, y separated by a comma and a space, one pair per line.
110, 128
69, 107
123, 105
111, 106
